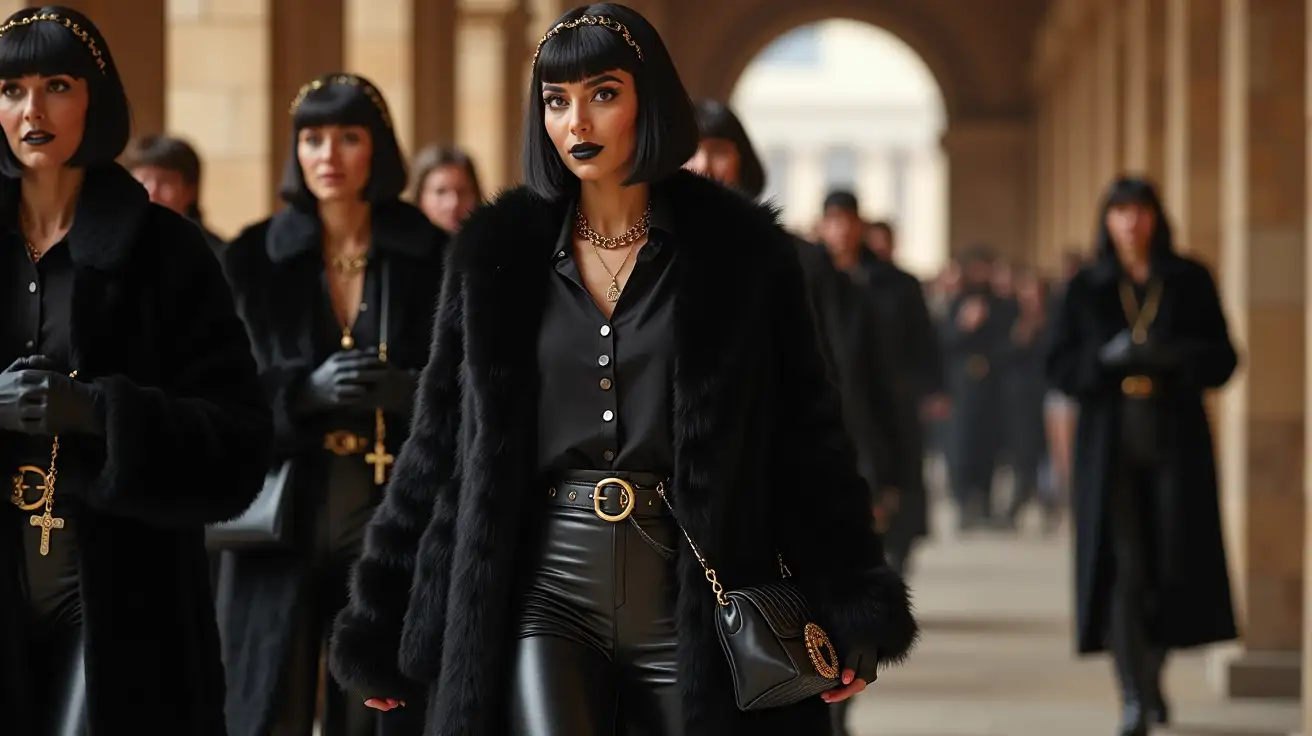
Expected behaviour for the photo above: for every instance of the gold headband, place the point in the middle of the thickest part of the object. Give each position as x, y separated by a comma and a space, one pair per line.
604, 21
349, 79
77, 30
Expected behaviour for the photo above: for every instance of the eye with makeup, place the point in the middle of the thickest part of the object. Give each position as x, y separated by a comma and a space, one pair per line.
556, 101
14, 90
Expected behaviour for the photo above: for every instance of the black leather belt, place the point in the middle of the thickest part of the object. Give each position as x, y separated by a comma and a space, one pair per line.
612, 496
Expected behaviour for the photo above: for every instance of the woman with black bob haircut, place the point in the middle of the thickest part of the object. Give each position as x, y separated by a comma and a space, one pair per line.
1139, 337
338, 291
131, 413
617, 329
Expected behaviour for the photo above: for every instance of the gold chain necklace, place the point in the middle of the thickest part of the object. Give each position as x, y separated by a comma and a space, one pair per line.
613, 293
348, 265
628, 237
32, 252
46, 521
1140, 317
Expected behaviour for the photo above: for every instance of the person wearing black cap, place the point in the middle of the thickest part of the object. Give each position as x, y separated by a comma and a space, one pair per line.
1139, 337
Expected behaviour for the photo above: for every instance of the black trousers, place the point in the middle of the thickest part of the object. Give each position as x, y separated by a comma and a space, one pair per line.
597, 644
58, 670
1133, 516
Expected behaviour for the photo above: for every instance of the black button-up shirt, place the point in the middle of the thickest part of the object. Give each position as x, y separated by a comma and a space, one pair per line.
38, 301
606, 384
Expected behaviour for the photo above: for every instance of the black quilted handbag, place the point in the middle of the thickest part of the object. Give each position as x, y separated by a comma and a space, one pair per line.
777, 654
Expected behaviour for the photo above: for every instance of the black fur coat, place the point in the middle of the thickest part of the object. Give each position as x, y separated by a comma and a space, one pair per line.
187, 438
761, 461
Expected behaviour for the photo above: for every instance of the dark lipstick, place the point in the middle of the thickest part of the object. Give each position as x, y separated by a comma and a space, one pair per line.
37, 137
585, 151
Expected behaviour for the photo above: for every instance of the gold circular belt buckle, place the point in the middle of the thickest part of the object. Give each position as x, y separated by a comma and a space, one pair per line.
817, 646
1137, 387
626, 497
344, 443
20, 486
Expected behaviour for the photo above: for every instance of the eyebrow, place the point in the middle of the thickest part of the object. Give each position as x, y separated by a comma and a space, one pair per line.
594, 82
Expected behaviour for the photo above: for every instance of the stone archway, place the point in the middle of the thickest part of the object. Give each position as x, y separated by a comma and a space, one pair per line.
980, 60
757, 27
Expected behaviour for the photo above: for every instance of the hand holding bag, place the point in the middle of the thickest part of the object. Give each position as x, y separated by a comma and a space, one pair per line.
777, 654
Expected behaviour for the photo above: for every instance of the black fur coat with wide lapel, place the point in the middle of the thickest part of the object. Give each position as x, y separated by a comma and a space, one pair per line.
276, 269
761, 462
186, 443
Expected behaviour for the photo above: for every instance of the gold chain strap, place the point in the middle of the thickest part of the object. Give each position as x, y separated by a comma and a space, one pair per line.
1140, 318
711, 577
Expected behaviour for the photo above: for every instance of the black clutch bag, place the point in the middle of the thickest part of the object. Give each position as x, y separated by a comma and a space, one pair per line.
264, 525
777, 654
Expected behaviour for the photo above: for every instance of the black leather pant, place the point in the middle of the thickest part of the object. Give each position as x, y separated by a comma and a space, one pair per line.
1133, 518
58, 665
596, 654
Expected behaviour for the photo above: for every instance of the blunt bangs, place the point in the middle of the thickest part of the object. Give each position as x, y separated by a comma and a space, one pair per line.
584, 52
48, 48
666, 135
337, 104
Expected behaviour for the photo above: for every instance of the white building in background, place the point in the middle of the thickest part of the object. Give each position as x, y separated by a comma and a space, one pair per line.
841, 104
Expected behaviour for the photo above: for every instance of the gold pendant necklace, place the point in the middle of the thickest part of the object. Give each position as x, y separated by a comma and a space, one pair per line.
628, 237
32, 252
46, 521
613, 293
1140, 317
348, 265
380, 458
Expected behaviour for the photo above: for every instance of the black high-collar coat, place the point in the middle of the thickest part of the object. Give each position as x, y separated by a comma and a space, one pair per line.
761, 462
187, 438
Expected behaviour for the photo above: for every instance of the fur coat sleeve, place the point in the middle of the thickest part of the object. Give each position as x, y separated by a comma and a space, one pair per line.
422, 494
864, 603
281, 381
190, 447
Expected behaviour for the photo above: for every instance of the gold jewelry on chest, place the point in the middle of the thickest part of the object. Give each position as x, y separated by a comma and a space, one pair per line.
635, 233
46, 521
1138, 316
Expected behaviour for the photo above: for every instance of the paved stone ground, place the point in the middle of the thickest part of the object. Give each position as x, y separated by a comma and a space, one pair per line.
995, 658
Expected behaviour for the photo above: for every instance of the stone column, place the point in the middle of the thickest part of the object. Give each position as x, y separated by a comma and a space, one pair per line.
433, 70
491, 85
134, 31
1145, 87
1107, 96
1264, 219
1307, 415
1061, 161
1044, 245
1192, 146
218, 99
1081, 196
990, 184
307, 39
377, 45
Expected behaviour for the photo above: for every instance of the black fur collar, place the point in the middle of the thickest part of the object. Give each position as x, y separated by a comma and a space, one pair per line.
397, 226
110, 210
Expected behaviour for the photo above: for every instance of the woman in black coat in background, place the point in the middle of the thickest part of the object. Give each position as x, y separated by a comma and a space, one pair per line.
106, 620
676, 353
1139, 337
338, 291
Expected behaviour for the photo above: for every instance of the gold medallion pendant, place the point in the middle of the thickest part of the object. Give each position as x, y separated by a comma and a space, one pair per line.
818, 645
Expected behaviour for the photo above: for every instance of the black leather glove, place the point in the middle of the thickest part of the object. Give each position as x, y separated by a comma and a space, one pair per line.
864, 662
394, 391
37, 399
1118, 352
343, 380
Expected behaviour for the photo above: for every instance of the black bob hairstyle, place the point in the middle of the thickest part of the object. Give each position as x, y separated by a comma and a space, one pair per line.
667, 134
1131, 190
718, 122
345, 99
43, 41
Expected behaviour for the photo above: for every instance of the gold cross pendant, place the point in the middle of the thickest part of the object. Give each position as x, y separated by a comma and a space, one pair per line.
47, 524
380, 459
